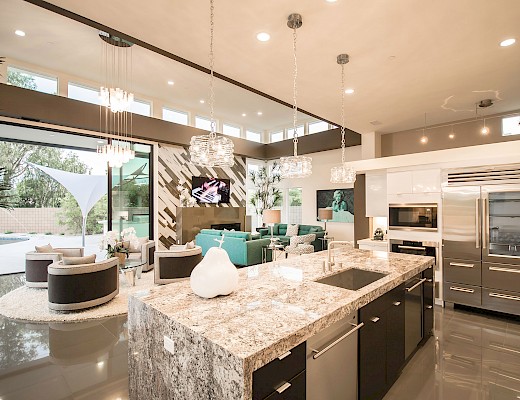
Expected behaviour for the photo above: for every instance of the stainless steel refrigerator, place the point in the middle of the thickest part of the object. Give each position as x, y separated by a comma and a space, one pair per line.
481, 243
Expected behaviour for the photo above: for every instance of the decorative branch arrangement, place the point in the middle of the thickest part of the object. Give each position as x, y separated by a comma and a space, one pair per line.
266, 195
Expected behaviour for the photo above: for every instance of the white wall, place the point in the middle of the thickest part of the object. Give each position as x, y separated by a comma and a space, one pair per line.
320, 179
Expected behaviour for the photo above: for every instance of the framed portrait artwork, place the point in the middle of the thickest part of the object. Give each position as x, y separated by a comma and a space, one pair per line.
341, 201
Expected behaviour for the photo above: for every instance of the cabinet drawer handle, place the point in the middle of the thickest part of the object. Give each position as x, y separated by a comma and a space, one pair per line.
319, 353
284, 355
374, 319
396, 303
411, 247
460, 289
500, 269
429, 280
503, 373
284, 387
463, 265
502, 347
417, 284
504, 296
429, 307
460, 359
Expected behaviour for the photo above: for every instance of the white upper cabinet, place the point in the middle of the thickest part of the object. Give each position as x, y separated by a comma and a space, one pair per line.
399, 182
419, 181
426, 181
375, 200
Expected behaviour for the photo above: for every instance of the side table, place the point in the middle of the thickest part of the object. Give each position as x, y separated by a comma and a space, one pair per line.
275, 249
325, 242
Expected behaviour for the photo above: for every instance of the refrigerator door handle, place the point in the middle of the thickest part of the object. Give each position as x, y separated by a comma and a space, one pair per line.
477, 224
485, 219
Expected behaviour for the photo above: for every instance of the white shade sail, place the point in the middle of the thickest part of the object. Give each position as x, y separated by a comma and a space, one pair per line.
86, 189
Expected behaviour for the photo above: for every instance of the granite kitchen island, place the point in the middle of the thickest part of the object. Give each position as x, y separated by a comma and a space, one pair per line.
182, 346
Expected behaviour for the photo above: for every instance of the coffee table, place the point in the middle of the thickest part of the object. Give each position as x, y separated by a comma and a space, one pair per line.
131, 270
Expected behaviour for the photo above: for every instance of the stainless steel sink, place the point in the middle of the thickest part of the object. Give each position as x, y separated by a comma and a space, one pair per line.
352, 279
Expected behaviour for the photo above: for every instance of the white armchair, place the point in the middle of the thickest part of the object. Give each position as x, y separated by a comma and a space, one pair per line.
145, 252
301, 244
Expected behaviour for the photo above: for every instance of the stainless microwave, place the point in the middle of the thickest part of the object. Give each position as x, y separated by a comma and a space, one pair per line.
413, 217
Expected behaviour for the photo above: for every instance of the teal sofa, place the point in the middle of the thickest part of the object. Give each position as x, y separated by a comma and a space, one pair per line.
279, 231
242, 248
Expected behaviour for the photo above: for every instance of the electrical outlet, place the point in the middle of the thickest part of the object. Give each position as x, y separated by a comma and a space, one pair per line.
169, 345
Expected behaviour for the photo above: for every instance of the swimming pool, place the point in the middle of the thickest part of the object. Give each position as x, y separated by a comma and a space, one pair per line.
11, 239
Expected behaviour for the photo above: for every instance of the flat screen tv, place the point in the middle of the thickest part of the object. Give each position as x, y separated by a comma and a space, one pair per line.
210, 190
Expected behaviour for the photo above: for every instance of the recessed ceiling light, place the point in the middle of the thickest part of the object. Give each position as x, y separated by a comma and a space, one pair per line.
259, 113
19, 32
244, 114
507, 42
171, 83
202, 101
424, 140
451, 135
263, 36
349, 91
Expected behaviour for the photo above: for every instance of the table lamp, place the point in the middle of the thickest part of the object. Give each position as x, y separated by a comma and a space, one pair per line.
271, 217
325, 214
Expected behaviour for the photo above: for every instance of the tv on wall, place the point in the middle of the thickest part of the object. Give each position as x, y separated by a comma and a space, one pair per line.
210, 190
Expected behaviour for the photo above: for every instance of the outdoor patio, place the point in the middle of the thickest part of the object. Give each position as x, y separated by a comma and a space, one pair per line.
12, 255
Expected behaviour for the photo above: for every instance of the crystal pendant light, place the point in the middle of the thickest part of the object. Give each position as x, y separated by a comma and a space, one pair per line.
212, 150
295, 166
342, 173
117, 60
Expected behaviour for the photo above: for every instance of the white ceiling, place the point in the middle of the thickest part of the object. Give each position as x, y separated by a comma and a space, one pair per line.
407, 57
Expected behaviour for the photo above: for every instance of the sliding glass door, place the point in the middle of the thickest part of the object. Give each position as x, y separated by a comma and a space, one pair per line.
131, 193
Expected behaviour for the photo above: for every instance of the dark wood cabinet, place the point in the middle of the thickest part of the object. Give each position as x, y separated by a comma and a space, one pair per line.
284, 377
381, 344
395, 337
428, 302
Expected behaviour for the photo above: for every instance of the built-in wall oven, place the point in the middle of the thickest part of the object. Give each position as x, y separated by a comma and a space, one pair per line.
421, 217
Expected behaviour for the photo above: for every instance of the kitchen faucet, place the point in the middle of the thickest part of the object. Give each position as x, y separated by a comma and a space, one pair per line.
329, 251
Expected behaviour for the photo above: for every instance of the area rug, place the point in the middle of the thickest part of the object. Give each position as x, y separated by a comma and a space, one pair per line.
30, 304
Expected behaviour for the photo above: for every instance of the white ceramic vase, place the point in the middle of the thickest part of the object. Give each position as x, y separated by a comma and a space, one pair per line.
215, 275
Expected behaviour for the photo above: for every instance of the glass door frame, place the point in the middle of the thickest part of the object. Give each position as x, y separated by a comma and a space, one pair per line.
151, 185
486, 255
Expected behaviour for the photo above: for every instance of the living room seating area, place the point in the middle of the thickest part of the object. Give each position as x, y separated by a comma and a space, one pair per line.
243, 248
280, 232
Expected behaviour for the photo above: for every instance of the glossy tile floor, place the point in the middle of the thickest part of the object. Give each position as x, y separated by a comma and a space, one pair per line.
471, 356
86, 360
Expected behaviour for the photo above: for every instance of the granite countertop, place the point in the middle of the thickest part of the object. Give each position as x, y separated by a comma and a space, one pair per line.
278, 305
370, 240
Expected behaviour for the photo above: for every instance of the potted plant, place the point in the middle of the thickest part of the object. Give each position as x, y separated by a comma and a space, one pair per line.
266, 195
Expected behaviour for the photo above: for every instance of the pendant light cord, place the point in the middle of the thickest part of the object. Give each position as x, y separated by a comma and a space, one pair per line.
213, 128
295, 92
342, 113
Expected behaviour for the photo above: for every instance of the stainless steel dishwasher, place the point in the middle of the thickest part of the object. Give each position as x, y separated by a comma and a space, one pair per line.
332, 361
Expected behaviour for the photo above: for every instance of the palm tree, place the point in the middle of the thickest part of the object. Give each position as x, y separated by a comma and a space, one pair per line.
5, 189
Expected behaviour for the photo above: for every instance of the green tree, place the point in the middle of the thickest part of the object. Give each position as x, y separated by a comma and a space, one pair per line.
266, 194
295, 194
71, 217
19, 79
137, 194
5, 190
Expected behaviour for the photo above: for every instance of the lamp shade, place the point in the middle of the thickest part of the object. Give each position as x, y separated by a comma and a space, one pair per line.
324, 214
271, 216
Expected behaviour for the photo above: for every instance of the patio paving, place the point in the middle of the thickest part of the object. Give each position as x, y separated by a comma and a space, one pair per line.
12, 255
